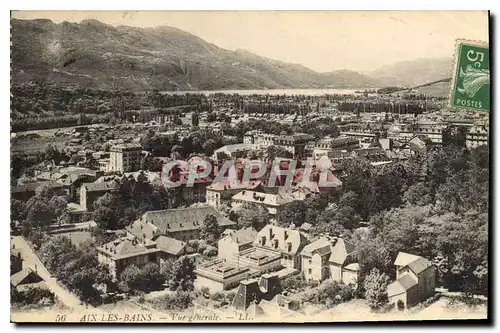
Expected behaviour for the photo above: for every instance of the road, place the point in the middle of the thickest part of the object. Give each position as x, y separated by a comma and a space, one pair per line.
30, 260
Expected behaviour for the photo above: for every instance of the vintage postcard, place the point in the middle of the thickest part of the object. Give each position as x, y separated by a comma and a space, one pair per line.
248, 167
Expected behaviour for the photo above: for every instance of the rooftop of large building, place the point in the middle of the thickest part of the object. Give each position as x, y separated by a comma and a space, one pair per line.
268, 199
173, 220
126, 147
31, 187
219, 269
125, 247
243, 236
100, 186
281, 239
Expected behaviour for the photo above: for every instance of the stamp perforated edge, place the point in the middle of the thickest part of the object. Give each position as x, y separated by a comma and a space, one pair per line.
459, 42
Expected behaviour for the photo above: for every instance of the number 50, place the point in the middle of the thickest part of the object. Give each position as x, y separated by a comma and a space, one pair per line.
478, 57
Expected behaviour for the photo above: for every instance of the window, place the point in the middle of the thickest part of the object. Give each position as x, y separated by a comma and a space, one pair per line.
310, 271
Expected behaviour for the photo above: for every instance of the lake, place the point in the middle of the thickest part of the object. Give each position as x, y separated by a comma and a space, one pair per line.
289, 92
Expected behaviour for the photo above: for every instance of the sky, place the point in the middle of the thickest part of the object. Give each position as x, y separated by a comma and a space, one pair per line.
321, 40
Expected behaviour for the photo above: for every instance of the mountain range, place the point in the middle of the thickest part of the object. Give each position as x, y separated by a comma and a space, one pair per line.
96, 55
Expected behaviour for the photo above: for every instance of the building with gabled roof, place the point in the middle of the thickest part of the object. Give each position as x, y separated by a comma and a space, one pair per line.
182, 223
125, 251
236, 241
222, 191
25, 191
170, 247
271, 201
255, 290
415, 280
330, 258
289, 243
137, 250
27, 278
90, 192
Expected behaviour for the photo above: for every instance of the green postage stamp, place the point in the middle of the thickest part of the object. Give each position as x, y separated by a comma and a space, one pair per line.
470, 87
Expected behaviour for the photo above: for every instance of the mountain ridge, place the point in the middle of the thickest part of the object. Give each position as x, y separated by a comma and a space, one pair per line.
95, 54
410, 73
98, 55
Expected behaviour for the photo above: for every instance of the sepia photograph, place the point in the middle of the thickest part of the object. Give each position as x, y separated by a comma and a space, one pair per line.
249, 166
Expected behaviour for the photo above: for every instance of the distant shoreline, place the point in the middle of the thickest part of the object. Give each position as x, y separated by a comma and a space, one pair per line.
290, 92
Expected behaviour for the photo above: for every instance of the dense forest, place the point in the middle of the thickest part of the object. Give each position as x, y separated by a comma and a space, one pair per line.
435, 205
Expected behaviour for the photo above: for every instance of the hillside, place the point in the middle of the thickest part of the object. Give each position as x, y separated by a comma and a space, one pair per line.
93, 54
413, 73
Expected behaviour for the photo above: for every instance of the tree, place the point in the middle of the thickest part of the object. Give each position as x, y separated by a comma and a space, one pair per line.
131, 277
58, 205
108, 211
294, 212
418, 194
151, 276
39, 214
462, 251
337, 220
210, 230
150, 163
376, 288
17, 210
273, 152
145, 279
253, 215
456, 192
179, 301
181, 274
77, 268
327, 222
54, 251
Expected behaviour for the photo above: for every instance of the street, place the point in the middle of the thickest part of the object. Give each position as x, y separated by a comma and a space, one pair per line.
30, 260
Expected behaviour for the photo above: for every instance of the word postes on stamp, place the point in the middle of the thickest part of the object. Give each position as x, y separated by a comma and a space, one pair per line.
471, 77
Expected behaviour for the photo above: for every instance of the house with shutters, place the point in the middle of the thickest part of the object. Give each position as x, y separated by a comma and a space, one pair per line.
131, 250
125, 251
287, 242
415, 280
330, 258
157, 236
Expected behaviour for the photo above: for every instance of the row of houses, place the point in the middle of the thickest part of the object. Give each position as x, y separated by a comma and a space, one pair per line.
248, 254
158, 236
